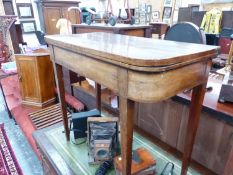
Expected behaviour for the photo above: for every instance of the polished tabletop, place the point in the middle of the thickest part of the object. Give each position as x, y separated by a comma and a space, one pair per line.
133, 51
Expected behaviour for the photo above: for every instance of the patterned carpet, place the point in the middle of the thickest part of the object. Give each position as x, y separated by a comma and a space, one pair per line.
8, 163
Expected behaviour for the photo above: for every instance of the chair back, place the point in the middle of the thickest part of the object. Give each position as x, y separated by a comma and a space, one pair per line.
186, 32
40, 36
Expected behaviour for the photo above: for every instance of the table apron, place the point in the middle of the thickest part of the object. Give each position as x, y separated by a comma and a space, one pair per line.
141, 86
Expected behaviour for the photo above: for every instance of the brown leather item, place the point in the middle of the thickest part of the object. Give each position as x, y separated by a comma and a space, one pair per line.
147, 161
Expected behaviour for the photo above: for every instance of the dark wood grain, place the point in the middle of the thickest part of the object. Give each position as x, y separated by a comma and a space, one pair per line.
50, 11
131, 50
124, 29
126, 124
98, 96
61, 94
159, 28
222, 111
194, 116
36, 79
229, 166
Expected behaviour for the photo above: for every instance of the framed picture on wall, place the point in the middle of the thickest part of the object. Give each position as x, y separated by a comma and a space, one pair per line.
155, 15
168, 3
167, 11
28, 26
25, 10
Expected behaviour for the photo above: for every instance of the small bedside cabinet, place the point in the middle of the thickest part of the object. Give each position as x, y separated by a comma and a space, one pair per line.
36, 79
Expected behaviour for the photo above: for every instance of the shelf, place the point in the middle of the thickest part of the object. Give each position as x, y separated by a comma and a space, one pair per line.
108, 97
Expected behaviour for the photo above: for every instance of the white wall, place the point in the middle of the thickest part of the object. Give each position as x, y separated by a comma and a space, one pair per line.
185, 3
2, 12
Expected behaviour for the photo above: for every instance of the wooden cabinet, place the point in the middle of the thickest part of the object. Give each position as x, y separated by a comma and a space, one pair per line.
54, 10
36, 79
51, 17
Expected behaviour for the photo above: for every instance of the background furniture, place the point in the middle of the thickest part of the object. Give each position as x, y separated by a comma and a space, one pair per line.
52, 10
9, 10
124, 29
159, 28
132, 82
186, 14
36, 79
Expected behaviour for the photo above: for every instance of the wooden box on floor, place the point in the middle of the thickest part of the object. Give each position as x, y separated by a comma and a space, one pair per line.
36, 79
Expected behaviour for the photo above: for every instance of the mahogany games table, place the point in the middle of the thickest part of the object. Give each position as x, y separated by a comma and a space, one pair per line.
138, 69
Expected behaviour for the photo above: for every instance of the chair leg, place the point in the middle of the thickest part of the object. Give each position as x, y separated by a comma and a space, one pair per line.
15, 121
5, 103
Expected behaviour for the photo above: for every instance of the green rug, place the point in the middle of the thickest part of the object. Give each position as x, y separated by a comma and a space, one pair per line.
76, 156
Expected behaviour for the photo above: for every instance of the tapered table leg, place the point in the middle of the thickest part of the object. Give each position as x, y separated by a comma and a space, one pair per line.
194, 116
126, 124
61, 95
98, 96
